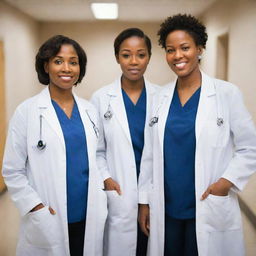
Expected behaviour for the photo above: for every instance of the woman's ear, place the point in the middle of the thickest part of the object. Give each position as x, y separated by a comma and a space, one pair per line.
200, 50
117, 59
46, 67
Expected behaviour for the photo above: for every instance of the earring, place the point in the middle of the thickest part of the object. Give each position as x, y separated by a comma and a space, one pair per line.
199, 57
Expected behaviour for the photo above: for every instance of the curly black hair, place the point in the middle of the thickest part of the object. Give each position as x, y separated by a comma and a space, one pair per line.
49, 49
186, 23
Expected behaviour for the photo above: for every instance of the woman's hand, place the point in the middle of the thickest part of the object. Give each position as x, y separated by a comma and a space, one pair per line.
219, 188
110, 184
144, 218
40, 206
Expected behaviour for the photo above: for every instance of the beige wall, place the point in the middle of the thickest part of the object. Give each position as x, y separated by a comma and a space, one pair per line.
22, 35
238, 19
97, 39
19, 34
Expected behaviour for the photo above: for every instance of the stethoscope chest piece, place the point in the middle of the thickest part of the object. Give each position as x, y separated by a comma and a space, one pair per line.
41, 145
108, 115
153, 121
220, 121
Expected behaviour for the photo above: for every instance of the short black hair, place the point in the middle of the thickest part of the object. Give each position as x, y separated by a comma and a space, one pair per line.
50, 48
187, 23
130, 32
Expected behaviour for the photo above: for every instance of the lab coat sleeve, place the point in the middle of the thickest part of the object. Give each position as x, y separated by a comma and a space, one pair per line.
15, 166
146, 169
101, 147
243, 163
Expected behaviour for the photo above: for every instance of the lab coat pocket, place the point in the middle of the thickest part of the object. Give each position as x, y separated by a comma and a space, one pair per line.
217, 135
115, 203
41, 228
220, 213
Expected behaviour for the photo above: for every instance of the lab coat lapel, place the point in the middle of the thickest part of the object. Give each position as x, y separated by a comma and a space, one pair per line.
150, 90
164, 105
118, 107
85, 115
205, 102
46, 109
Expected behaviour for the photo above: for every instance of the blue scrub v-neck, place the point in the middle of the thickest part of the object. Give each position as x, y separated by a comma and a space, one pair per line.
136, 115
77, 171
179, 157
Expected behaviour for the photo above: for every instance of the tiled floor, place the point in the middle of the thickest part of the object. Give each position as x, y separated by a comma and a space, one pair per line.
9, 221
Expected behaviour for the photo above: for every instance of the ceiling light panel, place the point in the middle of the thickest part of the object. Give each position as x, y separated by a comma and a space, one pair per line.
106, 11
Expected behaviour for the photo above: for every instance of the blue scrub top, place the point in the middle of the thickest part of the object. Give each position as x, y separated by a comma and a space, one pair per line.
136, 115
76, 161
179, 157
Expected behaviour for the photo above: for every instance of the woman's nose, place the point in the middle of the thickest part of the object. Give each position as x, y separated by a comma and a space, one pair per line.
66, 67
134, 60
178, 54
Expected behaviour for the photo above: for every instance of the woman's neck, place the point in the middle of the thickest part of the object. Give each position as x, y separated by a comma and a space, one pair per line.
190, 82
132, 86
61, 96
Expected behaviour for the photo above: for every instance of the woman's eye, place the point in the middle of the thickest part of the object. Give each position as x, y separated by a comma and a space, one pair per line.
125, 56
185, 48
169, 50
142, 55
58, 62
74, 63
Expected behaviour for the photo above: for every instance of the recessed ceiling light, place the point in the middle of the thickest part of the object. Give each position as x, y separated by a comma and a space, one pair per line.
107, 11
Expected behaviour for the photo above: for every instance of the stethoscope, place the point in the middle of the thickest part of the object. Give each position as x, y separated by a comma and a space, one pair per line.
41, 144
95, 128
108, 115
155, 118
219, 119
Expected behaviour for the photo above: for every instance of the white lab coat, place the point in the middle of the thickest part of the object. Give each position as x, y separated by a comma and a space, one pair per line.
227, 151
36, 176
116, 159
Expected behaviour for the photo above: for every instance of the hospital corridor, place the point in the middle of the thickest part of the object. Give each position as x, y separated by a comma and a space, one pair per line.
25, 25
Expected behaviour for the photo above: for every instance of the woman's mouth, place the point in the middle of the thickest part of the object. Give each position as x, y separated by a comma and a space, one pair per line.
180, 65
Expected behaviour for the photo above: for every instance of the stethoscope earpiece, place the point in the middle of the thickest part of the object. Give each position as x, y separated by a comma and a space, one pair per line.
41, 145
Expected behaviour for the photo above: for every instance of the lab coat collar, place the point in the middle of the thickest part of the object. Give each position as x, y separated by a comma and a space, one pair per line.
115, 88
117, 104
47, 110
208, 91
165, 98
207, 86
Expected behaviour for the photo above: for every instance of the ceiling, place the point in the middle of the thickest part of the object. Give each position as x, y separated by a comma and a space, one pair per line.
129, 10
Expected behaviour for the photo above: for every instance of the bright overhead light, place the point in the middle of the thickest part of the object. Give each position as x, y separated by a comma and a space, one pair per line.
107, 11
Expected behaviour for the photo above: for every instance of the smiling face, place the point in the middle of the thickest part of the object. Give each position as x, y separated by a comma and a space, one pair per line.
133, 58
63, 69
182, 53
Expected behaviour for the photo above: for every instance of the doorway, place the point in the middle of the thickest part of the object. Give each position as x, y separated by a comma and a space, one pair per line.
2, 114
222, 57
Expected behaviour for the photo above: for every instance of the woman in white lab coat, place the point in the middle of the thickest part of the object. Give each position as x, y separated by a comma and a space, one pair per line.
200, 150
49, 162
122, 107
